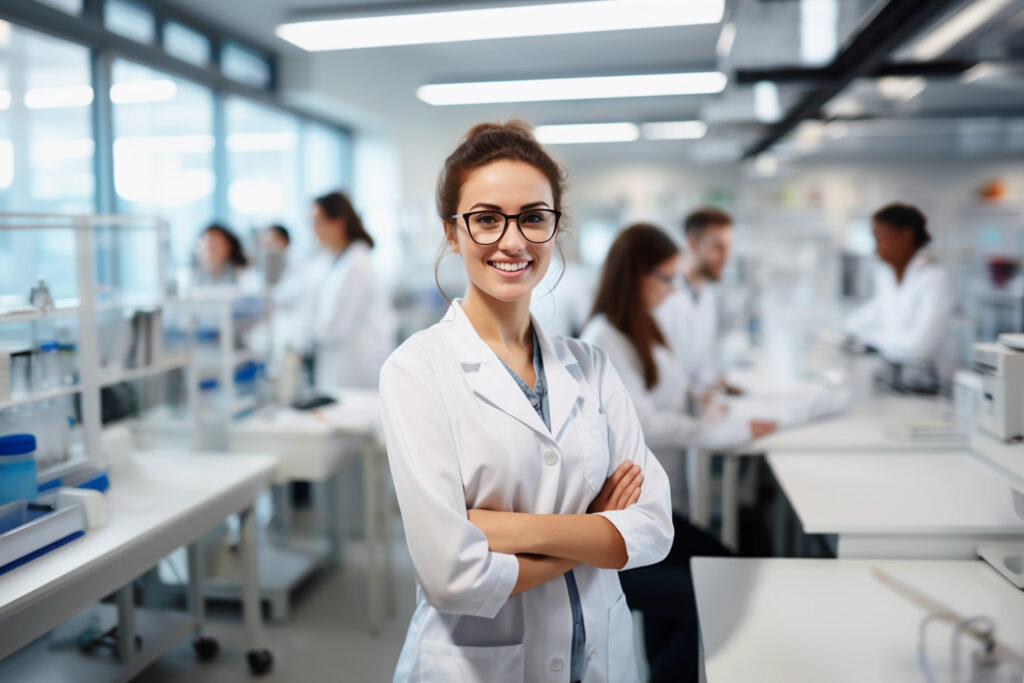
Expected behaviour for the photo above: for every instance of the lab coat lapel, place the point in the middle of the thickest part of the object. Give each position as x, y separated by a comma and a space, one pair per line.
486, 375
561, 370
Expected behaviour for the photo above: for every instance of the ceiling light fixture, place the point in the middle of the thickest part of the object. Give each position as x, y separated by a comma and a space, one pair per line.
947, 34
585, 88
143, 91
674, 130
766, 102
498, 22
576, 133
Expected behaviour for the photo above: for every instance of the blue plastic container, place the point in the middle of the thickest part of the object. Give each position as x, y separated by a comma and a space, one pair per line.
17, 468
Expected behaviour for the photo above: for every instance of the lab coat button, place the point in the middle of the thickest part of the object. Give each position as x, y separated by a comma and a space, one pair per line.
557, 664
550, 458
534, 401
593, 652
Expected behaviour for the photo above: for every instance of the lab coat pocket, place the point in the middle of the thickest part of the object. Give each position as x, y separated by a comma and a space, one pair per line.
622, 664
444, 663
593, 437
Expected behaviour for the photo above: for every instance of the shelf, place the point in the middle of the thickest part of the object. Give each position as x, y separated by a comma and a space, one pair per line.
37, 396
66, 310
160, 630
136, 301
132, 374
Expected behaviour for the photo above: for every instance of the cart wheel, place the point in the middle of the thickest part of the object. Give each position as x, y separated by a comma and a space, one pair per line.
206, 648
260, 661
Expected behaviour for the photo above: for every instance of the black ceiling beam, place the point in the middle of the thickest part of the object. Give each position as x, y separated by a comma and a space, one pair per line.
867, 49
800, 74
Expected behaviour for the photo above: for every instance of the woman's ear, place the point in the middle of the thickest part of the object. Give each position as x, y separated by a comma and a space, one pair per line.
451, 238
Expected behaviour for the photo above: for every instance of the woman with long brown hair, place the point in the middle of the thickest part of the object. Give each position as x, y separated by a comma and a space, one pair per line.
640, 271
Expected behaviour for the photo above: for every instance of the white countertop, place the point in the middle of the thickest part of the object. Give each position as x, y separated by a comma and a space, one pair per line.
832, 620
896, 493
157, 494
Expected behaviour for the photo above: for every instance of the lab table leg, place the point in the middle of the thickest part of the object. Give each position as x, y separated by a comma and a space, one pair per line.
206, 648
126, 625
372, 536
260, 659
730, 501
698, 461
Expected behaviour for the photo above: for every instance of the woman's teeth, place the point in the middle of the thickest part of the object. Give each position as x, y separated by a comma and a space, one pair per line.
510, 267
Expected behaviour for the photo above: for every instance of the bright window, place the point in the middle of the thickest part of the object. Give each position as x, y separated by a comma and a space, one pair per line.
182, 42
129, 20
163, 151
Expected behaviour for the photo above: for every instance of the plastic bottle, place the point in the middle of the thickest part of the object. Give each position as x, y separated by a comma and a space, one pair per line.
46, 372
18, 468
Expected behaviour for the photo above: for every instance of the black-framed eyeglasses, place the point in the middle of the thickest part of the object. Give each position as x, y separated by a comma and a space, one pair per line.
488, 227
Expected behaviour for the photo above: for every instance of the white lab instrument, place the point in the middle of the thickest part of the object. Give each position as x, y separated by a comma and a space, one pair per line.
998, 434
1001, 408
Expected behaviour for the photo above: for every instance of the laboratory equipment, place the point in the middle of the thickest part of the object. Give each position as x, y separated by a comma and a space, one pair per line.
46, 372
998, 436
40, 297
1001, 406
25, 536
18, 468
21, 372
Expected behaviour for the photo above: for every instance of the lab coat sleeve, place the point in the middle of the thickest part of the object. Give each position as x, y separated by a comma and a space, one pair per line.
453, 564
347, 303
645, 526
920, 336
671, 429
866, 319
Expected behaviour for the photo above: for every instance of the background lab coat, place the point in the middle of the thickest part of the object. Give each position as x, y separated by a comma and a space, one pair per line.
351, 324
461, 434
668, 427
690, 326
909, 321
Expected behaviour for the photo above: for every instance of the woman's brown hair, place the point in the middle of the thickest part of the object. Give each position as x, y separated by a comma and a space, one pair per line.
486, 143
337, 206
634, 254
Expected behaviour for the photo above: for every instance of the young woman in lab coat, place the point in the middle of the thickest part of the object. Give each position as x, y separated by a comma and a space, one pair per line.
518, 460
908, 318
349, 322
639, 273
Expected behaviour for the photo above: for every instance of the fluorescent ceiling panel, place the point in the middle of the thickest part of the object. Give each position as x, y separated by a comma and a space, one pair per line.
674, 130
576, 133
946, 35
586, 88
498, 22
143, 91
51, 98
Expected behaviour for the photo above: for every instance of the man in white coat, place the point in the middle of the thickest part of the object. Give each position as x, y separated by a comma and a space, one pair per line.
907, 320
689, 316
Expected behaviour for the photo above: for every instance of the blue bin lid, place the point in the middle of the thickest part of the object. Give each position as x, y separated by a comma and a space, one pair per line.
48, 346
17, 444
208, 384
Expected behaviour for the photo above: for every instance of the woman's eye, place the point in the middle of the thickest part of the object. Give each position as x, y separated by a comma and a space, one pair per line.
532, 218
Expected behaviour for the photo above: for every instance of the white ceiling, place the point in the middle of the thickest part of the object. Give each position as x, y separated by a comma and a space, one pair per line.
376, 87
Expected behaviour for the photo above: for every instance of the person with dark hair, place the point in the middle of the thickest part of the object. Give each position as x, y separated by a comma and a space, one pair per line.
640, 271
518, 460
907, 319
220, 257
349, 323
278, 238
689, 316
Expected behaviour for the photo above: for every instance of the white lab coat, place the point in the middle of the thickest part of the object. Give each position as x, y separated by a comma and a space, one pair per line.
461, 435
689, 322
351, 325
910, 321
668, 427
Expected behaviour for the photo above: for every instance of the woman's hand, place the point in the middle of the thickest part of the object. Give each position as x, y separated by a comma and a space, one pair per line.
620, 490
504, 530
759, 428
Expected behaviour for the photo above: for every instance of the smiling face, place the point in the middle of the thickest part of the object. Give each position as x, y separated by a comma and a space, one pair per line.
509, 269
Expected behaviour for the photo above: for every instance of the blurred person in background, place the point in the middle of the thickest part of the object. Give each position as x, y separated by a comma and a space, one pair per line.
689, 315
907, 320
348, 323
220, 258
640, 272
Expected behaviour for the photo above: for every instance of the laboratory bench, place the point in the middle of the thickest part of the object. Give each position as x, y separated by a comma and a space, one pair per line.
158, 502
